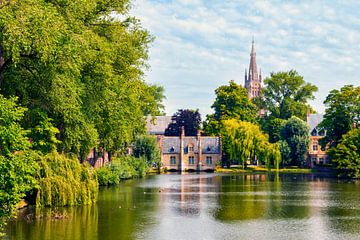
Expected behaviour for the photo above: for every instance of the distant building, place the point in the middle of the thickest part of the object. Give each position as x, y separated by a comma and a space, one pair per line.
183, 153
253, 79
316, 156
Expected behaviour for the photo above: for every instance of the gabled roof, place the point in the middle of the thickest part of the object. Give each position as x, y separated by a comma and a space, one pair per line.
209, 145
158, 126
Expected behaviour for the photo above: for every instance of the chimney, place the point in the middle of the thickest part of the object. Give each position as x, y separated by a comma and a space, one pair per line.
182, 137
199, 150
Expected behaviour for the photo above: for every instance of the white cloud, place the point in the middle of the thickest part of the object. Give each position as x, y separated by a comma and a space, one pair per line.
200, 45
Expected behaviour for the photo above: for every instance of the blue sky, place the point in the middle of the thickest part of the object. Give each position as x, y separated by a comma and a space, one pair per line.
201, 45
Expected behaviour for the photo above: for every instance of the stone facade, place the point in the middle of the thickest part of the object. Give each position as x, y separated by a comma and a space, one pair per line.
184, 153
253, 79
316, 156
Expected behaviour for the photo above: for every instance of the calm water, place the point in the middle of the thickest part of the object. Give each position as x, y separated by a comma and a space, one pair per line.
206, 206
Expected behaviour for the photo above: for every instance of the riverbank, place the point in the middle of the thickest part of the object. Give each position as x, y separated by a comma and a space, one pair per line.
262, 169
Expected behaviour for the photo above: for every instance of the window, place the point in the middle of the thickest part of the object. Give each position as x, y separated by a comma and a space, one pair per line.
315, 145
314, 132
208, 148
191, 148
313, 161
172, 149
191, 160
321, 160
208, 160
172, 160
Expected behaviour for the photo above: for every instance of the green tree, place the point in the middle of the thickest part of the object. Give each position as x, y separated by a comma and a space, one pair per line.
286, 94
81, 64
296, 134
231, 102
244, 141
187, 118
17, 166
346, 155
146, 147
342, 112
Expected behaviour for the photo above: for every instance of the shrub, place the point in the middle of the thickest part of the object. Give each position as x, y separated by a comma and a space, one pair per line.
124, 167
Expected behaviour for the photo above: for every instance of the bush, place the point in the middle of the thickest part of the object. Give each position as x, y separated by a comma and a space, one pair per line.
124, 167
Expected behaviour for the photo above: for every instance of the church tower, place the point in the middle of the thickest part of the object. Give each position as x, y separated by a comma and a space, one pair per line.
253, 79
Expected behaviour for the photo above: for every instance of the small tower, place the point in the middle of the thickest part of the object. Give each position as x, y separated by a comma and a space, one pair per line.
253, 79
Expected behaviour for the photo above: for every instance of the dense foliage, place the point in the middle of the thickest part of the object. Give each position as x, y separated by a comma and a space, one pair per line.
187, 118
342, 112
123, 167
231, 102
295, 133
244, 141
147, 148
77, 66
17, 165
346, 155
65, 182
285, 95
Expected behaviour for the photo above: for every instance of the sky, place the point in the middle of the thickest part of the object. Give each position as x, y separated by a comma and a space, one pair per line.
201, 45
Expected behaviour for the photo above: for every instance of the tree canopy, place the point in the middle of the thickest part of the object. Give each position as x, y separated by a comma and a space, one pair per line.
231, 102
342, 112
80, 63
244, 141
346, 155
295, 133
187, 118
286, 94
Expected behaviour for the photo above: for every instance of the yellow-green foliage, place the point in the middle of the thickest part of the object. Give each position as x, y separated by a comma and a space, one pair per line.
244, 140
65, 182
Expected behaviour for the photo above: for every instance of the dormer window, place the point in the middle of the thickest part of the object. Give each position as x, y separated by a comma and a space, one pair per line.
208, 148
314, 132
191, 148
172, 149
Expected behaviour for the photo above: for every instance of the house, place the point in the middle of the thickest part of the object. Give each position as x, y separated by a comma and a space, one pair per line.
316, 155
189, 153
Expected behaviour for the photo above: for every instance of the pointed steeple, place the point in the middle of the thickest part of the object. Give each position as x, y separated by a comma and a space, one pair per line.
253, 80
253, 66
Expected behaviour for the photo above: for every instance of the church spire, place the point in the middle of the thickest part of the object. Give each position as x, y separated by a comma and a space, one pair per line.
253, 83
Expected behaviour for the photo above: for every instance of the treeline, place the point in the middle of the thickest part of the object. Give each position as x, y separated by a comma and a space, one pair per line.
271, 128
71, 79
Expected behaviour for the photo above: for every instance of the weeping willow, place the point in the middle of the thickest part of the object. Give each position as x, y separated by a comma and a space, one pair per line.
65, 181
244, 141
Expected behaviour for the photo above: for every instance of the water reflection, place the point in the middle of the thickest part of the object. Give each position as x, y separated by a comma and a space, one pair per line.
207, 206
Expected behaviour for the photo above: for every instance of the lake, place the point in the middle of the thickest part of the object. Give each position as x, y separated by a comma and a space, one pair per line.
206, 206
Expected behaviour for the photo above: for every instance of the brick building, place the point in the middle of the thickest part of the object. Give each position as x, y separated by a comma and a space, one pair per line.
316, 156
184, 153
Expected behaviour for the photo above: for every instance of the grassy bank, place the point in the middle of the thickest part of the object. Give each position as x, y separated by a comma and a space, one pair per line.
261, 169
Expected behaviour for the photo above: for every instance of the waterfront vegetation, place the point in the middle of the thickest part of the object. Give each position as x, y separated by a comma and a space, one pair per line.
71, 80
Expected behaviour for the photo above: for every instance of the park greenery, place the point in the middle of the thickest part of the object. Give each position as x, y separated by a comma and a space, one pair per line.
71, 80
276, 135
341, 123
